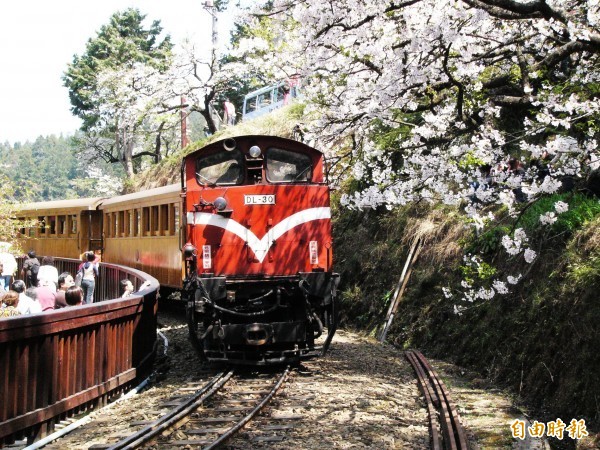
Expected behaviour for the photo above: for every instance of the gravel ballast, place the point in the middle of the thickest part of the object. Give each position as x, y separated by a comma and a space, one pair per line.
361, 395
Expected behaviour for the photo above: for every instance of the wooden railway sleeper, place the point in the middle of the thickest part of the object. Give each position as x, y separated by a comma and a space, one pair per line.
227, 435
175, 416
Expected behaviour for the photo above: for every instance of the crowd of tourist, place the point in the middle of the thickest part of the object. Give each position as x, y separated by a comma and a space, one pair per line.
41, 288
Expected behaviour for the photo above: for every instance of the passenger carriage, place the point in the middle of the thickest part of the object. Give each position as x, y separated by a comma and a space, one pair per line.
65, 228
141, 230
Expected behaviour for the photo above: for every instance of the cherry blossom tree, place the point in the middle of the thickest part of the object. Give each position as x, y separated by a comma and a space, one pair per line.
464, 102
138, 106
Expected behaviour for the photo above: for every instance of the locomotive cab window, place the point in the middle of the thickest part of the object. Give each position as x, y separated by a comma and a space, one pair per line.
284, 166
220, 168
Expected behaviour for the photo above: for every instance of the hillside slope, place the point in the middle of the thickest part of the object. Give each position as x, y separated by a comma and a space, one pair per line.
540, 340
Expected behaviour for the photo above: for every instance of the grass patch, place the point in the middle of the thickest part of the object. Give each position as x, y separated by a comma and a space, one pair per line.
582, 209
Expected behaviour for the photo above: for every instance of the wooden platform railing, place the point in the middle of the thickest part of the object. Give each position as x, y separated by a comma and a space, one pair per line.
56, 364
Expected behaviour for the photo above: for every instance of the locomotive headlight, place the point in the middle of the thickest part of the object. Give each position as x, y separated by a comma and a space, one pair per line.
189, 250
220, 203
255, 151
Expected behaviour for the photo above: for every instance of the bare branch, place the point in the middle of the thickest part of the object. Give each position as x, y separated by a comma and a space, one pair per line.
455, 82
513, 10
507, 100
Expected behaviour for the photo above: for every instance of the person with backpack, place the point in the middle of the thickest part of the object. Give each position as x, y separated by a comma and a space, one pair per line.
89, 272
31, 268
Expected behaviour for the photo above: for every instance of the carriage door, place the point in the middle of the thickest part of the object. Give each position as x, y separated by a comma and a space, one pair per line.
91, 231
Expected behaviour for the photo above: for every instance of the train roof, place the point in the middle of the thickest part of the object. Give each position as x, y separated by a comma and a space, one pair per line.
250, 139
171, 190
79, 204
93, 203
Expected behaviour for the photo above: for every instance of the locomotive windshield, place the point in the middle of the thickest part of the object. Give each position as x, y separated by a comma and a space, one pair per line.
220, 168
284, 166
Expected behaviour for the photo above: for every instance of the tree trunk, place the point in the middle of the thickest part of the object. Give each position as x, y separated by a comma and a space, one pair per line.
157, 143
127, 145
207, 113
210, 123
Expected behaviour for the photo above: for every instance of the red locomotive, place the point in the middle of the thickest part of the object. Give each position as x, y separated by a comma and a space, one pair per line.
258, 281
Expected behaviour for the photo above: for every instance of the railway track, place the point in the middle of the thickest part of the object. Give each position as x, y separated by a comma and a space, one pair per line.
446, 430
212, 414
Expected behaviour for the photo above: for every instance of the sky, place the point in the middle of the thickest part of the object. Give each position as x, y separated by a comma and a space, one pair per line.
38, 38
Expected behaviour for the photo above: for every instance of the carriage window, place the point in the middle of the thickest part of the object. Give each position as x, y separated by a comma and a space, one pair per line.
146, 221
250, 105
126, 223
42, 225
62, 225
163, 220
105, 224
284, 166
264, 100
280, 93
175, 218
21, 229
220, 168
52, 222
73, 224
121, 223
154, 220
137, 220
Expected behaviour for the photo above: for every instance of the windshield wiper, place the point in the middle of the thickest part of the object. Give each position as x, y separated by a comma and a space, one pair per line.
302, 173
207, 181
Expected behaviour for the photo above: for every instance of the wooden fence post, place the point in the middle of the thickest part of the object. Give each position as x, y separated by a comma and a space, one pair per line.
400, 287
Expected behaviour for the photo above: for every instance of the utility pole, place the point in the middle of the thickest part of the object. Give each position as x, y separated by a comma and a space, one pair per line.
184, 114
209, 6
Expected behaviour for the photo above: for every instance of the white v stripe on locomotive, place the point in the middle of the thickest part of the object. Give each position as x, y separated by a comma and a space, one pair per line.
260, 247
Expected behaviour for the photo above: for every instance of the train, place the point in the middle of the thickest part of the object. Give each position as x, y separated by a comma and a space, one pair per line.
245, 237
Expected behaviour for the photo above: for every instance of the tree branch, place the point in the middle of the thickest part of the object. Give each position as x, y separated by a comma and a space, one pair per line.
455, 82
393, 7
560, 53
513, 10
509, 100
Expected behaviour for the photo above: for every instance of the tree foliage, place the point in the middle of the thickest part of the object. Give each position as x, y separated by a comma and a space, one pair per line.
50, 168
122, 48
122, 42
132, 90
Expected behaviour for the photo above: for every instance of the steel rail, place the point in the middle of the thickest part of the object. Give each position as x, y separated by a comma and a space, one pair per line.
454, 435
459, 434
229, 433
436, 438
168, 420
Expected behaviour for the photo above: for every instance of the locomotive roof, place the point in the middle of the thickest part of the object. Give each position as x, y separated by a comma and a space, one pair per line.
271, 140
149, 194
